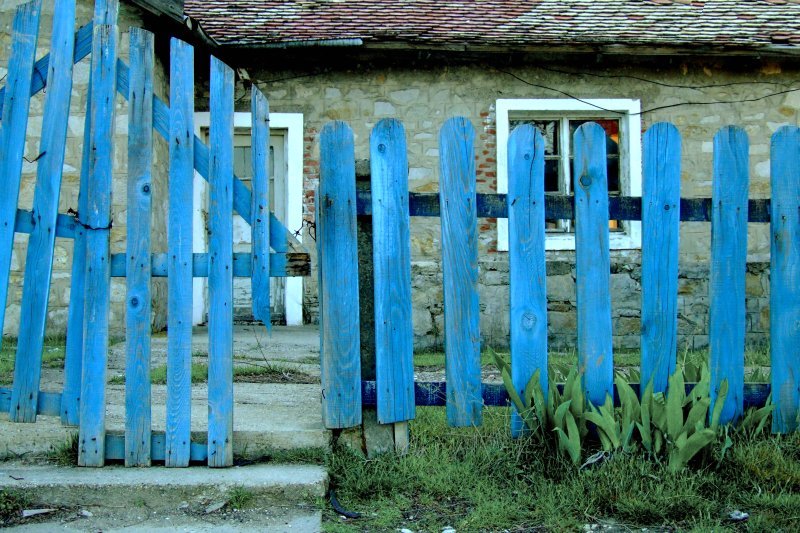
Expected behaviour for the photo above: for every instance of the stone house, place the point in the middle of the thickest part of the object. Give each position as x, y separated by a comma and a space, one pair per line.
556, 63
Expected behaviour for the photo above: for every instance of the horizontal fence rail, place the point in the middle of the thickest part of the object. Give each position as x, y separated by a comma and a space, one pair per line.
492, 205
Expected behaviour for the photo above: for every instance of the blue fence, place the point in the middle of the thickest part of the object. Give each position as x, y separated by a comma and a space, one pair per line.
661, 209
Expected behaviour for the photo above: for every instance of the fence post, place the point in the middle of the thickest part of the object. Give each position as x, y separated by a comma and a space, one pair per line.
660, 232
785, 278
39, 260
138, 306
259, 224
595, 358
14, 124
394, 366
728, 266
98, 261
220, 268
459, 219
526, 258
340, 351
179, 265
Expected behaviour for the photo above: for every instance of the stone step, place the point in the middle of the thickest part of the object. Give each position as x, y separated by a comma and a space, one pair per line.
266, 417
275, 497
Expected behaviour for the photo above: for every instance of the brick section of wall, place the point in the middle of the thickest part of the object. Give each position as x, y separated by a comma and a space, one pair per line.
62, 268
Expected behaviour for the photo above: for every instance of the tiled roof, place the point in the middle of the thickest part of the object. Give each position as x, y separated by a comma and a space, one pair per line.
748, 24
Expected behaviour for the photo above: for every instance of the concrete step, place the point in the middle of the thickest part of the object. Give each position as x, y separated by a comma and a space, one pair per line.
276, 497
266, 417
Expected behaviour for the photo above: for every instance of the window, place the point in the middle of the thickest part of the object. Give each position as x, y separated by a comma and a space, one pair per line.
557, 119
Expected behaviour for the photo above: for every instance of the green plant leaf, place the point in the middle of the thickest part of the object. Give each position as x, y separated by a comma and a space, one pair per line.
647, 439
512, 392
533, 382
558, 419
689, 447
676, 394
698, 413
719, 404
628, 400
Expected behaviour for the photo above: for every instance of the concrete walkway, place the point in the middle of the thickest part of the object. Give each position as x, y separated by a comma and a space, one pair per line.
266, 415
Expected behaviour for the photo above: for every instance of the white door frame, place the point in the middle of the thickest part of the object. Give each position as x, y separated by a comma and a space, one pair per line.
292, 124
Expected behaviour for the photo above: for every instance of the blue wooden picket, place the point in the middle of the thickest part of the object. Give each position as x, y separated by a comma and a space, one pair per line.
391, 241
259, 226
661, 194
340, 346
73, 353
24, 34
220, 272
785, 278
526, 262
459, 220
728, 267
593, 268
179, 269
91, 437
138, 306
39, 260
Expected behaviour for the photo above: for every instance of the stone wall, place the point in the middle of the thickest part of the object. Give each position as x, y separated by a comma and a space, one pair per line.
424, 89
60, 285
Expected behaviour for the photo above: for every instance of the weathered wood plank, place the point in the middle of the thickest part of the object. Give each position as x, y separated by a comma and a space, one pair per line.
460, 272
220, 273
422, 204
728, 267
39, 261
593, 267
526, 262
91, 439
340, 346
137, 311
281, 265
391, 252
785, 278
24, 35
115, 448
660, 232
73, 354
179, 268
260, 207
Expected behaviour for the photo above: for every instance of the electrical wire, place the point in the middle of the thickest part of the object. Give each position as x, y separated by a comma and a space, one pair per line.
649, 110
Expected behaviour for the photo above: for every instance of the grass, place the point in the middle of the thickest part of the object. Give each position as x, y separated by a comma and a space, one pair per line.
479, 479
12, 502
240, 497
249, 373
67, 453
52, 357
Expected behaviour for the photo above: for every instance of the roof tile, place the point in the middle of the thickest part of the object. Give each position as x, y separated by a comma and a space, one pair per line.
687, 23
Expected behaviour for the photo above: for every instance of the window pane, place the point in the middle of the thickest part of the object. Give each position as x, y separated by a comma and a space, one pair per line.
242, 162
549, 130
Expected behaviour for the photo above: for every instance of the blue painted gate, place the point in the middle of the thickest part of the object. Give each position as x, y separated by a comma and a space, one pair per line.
82, 401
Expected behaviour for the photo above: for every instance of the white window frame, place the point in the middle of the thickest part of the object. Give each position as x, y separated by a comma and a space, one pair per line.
292, 124
630, 156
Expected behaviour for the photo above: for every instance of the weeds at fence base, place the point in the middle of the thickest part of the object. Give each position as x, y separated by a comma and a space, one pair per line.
482, 479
